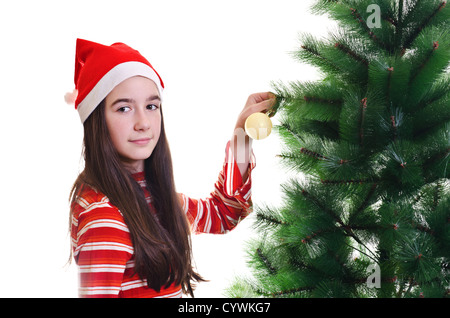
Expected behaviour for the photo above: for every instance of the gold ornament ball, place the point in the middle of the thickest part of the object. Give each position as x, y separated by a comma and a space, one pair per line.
258, 126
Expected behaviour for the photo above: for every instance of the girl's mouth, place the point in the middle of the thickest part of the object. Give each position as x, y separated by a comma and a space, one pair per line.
141, 141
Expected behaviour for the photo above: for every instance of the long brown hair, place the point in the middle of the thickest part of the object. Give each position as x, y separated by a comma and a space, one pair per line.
162, 243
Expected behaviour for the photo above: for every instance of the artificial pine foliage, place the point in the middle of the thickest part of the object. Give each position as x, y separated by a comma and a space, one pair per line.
369, 214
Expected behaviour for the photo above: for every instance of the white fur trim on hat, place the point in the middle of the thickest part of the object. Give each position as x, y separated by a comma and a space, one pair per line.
114, 77
71, 97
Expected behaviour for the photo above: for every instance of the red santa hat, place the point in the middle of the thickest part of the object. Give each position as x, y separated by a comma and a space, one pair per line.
100, 68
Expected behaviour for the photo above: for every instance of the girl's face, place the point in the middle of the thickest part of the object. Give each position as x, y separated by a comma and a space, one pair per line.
133, 118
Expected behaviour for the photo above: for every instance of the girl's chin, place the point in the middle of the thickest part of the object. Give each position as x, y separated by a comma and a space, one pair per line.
135, 163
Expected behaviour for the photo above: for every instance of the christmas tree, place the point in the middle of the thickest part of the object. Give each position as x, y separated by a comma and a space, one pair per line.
369, 213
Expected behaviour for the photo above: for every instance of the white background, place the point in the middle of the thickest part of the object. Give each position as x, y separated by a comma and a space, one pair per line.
211, 56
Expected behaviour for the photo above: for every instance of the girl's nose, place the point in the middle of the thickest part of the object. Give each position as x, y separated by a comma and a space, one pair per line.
142, 121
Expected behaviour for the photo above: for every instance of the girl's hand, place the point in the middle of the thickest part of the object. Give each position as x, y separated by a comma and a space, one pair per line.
241, 144
258, 102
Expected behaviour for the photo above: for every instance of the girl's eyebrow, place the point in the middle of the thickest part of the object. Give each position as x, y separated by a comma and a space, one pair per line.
123, 100
153, 97
132, 101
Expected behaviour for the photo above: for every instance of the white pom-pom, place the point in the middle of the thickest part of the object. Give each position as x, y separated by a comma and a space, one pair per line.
71, 97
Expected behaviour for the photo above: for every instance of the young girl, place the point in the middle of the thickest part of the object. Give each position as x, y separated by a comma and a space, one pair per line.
130, 229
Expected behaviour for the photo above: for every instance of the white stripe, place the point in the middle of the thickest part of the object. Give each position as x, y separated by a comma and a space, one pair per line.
233, 221
230, 173
134, 284
106, 268
106, 246
82, 202
185, 203
94, 206
248, 194
220, 180
198, 216
74, 221
130, 264
103, 223
207, 226
99, 290
227, 201
73, 242
143, 283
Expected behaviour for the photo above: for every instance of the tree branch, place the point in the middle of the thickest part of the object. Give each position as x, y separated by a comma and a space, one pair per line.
266, 262
362, 110
413, 35
351, 53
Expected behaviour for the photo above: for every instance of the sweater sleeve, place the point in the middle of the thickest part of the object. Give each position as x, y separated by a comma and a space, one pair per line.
102, 247
228, 203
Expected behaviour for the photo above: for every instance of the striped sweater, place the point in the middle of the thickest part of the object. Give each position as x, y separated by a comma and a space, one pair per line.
101, 242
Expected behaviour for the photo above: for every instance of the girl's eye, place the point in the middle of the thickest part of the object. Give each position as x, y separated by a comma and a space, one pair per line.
124, 109
152, 107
